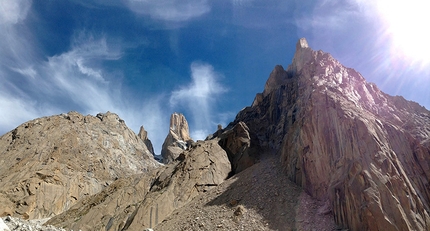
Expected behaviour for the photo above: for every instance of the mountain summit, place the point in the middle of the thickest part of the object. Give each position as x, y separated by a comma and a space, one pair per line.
320, 148
50, 163
363, 152
177, 140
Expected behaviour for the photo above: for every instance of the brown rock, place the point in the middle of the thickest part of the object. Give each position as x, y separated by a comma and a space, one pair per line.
50, 163
236, 141
233, 203
177, 140
143, 134
145, 200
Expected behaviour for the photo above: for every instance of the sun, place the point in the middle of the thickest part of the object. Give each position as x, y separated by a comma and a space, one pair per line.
407, 22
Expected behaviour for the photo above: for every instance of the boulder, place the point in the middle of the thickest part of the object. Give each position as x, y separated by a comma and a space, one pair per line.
236, 141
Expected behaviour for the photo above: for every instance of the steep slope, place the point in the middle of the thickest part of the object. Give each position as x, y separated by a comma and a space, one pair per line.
363, 152
50, 163
144, 200
260, 197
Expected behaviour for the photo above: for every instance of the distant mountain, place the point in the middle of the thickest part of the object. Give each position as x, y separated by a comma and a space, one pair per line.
319, 149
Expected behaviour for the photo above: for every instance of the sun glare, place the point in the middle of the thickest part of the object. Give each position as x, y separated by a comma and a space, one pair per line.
408, 24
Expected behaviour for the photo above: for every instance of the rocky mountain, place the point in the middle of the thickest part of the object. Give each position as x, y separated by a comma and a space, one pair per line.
50, 163
177, 140
363, 152
145, 200
319, 149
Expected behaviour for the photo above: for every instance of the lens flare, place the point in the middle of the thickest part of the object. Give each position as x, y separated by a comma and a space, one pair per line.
407, 24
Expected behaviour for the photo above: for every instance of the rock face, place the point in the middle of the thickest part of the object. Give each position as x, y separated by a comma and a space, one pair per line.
50, 163
144, 200
236, 141
177, 140
363, 152
143, 134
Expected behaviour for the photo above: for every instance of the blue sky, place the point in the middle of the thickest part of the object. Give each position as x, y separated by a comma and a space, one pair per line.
145, 59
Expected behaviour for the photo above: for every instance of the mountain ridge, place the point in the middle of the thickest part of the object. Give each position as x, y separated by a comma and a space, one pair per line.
363, 154
332, 129
49, 163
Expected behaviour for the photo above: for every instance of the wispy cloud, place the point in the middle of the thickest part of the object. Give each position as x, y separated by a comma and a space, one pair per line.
170, 10
331, 14
18, 111
34, 85
75, 80
12, 12
200, 98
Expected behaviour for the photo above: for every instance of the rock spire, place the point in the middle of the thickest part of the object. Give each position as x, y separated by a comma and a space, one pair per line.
178, 139
143, 134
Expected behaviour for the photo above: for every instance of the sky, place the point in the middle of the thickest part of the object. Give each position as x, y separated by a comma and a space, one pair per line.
146, 59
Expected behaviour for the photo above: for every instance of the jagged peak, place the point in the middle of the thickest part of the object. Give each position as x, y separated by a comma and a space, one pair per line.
179, 125
178, 138
303, 54
277, 77
143, 135
302, 43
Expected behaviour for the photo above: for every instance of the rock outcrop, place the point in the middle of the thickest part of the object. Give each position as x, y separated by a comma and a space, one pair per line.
363, 152
50, 163
143, 134
236, 141
144, 200
178, 139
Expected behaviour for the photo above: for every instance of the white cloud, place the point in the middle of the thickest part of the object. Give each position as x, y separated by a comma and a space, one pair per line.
72, 76
14, 11
18, 111
73, 80
199, 97
332, 14
169, 10
29, 71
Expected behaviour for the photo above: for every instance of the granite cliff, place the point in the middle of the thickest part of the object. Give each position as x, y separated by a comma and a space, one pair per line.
145, 200
363, 152
50, 163
319, 149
